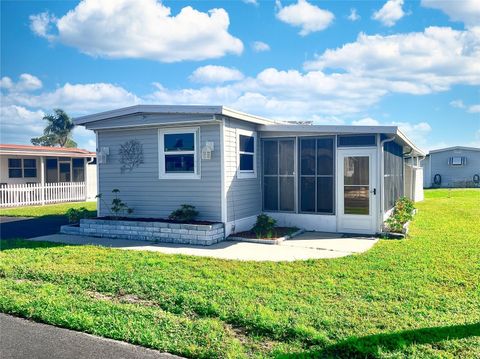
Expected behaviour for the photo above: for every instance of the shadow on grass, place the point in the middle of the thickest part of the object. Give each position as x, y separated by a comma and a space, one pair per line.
9, 244
374, 346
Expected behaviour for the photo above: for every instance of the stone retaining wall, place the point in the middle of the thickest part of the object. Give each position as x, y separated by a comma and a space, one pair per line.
200, 234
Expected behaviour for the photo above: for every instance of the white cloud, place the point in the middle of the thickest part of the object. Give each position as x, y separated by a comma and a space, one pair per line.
41, 24
19, 125
26, 82
353, 15
457, 104
215, 74
260, 46
466, 11
474, 109
367, 121
415, 63
308, 17
390, 13
141, 29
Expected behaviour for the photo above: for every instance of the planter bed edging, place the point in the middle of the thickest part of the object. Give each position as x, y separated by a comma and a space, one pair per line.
264, 240
180, 233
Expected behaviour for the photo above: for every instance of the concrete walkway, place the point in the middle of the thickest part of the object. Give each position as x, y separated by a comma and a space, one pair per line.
309, 245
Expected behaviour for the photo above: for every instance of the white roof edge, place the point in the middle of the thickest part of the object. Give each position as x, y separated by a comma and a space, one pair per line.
12, 152
171, 109
455, 148
333, 129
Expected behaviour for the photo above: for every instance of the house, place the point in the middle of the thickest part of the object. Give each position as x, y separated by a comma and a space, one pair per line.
452, 167
38, 175
232, 166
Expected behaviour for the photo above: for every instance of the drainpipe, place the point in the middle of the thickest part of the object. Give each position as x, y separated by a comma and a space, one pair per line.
382, 175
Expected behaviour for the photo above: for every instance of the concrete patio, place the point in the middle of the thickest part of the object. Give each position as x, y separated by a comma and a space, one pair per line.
309, 245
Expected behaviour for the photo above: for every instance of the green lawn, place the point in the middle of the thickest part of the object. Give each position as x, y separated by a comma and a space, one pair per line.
47, 210
418, 297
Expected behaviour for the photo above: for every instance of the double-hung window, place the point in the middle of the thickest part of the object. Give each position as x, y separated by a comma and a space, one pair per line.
178, 153
246, 154
22, 168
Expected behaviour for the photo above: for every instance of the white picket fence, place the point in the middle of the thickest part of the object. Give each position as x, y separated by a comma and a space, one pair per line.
12, 195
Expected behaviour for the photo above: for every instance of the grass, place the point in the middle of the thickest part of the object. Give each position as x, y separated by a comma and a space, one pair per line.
418, 297
47, 210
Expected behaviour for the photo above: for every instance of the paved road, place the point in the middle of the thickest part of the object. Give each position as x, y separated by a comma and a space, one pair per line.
20, 338
21, 227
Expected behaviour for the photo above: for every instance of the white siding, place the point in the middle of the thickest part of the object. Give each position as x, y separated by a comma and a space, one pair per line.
4, 170
142, 189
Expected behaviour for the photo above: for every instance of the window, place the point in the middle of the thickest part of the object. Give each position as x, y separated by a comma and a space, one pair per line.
14, 168
356, 140
178, 153
246, 154
30, 168
78, 170
457, 161
18, 168
316, 175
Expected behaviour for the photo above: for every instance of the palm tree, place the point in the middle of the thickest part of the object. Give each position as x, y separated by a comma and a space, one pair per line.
58, 131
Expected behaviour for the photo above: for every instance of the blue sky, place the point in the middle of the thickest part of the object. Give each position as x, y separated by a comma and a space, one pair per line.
415, 64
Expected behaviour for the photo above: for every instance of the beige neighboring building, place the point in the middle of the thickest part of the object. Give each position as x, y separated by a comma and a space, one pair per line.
39, 175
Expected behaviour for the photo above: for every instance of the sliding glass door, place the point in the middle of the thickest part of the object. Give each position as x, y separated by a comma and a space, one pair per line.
279, 175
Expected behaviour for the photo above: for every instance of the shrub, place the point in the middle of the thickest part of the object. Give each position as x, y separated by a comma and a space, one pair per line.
118, 207
402, 213
264, 227
75, 214
186, 213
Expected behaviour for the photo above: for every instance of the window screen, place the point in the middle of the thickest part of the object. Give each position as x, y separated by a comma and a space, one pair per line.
356, 140
279, 175
393, 173
316, 175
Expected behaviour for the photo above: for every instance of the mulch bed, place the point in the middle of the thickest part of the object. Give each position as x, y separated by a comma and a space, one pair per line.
134, 219
278, 232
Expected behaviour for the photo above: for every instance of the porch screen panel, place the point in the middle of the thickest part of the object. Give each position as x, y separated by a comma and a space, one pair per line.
279, 175
78, 170
393, 173
316, 176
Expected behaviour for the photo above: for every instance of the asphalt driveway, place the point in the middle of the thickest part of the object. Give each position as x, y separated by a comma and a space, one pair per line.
20, 338
23, 227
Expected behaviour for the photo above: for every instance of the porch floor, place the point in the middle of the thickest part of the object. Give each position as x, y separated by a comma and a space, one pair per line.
309, 245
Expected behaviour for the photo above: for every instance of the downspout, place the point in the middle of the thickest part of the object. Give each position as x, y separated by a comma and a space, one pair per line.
382, 175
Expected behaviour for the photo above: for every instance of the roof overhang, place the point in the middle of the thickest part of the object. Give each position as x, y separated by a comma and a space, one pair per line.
464, 148
392, 131
45, 153
172, 110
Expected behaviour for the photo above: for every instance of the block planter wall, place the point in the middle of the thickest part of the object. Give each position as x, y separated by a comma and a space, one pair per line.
200, 234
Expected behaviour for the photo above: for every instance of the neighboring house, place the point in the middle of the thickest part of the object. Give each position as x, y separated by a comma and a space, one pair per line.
452, 167
39, 175
232, 166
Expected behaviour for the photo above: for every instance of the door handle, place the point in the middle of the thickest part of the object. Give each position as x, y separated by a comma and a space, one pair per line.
374, 191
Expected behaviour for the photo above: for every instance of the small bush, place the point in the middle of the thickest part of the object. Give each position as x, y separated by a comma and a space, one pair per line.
118, 207
74, 215
186, 213
402, 213
265, 226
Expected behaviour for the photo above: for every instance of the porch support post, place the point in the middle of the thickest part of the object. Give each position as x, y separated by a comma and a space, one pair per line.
85, 176
42, 178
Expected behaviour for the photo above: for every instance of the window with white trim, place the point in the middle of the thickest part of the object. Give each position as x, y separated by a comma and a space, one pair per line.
22, 168
457, 161
178, 153
246, 154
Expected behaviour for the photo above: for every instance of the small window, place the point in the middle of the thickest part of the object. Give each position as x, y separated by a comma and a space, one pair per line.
178, 153
457, 161
14, 168
356, 140
246, 150
78, 170
30, 168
